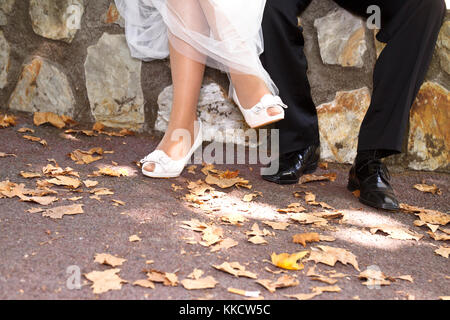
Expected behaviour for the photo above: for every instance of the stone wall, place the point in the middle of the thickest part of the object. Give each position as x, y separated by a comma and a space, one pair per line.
70, 57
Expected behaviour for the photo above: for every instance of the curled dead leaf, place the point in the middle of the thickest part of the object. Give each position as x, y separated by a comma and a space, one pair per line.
288, 261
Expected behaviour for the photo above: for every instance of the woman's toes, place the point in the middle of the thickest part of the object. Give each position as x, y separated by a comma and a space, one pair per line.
273, 111
149, 167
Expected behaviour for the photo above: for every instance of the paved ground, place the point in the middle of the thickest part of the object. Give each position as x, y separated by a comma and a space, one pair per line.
33, 266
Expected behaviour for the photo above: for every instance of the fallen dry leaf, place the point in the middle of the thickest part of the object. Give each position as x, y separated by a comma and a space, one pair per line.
318, 277
397, 232
175, 187
90, 183
432, 227
245, 293
65, 181
256, 231
86, 157
302, 296
236, 269
234, 218
144, 283
277, 225
104, 281
118, 202
427, 188
279, 271
224, 245
43, 201
48, 117
112, 172
323, 289
134, 238
102, 191
312, 177
105, 258
75, 198
4, 155
406, 277
166, 278
257, 240
55, 170
330, 255
98, 126
288, 261
249, 197
443, 251
306, 218
323, 165
374, 277
25, 130
427, 215
282, 282
35, 139
7, 120
211, 235
292, 208
303, 238
439, 236
59, 212
191, 169
88, 133
201, 283
434, 217
30, 175
196, 274
226, 179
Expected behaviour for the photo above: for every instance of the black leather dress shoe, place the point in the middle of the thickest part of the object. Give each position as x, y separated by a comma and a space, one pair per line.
294, 164
371, 178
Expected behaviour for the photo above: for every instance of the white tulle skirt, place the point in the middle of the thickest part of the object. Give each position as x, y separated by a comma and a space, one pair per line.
223, 34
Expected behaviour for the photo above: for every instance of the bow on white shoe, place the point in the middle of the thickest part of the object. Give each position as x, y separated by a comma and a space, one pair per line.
166, 167
258, 116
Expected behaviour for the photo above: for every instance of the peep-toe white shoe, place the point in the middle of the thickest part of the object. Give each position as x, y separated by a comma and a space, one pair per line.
257, 115
164, 166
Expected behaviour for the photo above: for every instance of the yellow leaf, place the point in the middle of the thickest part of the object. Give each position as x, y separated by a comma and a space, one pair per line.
288, 261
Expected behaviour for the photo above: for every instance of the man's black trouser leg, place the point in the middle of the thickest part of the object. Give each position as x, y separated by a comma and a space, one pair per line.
286, 63
410, 29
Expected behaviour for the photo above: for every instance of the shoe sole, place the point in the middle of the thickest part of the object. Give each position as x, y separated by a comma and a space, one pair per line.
352, 187
310, 169
266, 123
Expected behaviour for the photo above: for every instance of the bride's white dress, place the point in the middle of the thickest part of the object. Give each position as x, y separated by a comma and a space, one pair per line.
224, 34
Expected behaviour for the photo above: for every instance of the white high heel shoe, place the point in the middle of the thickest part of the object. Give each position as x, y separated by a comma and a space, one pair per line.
257, 115
165, 167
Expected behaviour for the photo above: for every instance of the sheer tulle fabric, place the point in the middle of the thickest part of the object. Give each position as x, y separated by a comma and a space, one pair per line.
224, 34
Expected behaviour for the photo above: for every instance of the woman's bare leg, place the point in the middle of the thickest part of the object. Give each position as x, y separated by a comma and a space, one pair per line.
249, 88
187, 78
